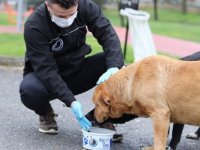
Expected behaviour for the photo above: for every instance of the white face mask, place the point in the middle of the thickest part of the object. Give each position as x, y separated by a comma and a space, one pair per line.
62, 22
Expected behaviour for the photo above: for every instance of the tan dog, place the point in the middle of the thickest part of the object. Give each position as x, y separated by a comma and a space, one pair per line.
162, 88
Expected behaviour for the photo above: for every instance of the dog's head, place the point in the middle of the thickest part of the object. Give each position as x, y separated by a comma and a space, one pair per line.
106, 104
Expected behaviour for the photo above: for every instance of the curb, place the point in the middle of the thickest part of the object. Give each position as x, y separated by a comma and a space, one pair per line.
11, 61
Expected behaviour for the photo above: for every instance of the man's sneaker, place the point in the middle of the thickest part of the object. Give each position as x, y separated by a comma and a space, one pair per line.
48, 123
168, 148
117, 137
192, 136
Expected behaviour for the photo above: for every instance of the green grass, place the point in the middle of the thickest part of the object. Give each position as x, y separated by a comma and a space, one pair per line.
171, 23
94, 44
11, 45
4, 19
170, 15
97, 48
113, 16
183, 31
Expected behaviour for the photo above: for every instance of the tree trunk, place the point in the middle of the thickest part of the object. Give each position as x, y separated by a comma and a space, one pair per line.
167, 1
184, 6
155, 10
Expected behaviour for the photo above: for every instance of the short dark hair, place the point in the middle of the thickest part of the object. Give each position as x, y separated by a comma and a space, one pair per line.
64, 3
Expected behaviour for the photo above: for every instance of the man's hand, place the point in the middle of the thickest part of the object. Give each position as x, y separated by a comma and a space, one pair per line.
107, 74
83, 121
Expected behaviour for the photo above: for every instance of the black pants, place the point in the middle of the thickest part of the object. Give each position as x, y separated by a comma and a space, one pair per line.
35, 96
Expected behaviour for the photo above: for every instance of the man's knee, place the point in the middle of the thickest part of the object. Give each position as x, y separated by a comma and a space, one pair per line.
27, 93
31, 91
27, 89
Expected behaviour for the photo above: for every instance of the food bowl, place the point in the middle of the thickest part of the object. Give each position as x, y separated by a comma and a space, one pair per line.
97, 139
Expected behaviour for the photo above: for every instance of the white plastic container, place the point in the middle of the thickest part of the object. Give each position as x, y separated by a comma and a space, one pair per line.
97, 139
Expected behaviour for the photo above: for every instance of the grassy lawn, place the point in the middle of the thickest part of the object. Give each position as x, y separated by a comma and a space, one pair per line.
97, 48
4, 19
170, 15
13, 45
171, 23
183, 31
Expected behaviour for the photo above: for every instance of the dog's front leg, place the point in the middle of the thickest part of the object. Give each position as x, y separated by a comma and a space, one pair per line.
161, 122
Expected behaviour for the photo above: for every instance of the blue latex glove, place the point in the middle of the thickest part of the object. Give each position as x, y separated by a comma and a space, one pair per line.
83, 121
107, 74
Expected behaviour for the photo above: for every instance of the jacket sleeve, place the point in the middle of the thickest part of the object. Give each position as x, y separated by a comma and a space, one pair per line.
44, 64
104, 33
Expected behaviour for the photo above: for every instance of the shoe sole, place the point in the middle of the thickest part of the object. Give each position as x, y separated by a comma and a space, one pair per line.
51, 131
117, 140
192, 136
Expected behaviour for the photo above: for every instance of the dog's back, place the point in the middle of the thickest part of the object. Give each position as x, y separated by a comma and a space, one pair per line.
161, 88
175, 80
165, 81
183, 92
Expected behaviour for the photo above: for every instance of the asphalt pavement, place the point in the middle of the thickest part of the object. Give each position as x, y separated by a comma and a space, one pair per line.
19, 125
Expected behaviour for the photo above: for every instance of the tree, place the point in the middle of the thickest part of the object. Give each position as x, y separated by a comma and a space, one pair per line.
184, 6
155, 10
99, 2
34, 3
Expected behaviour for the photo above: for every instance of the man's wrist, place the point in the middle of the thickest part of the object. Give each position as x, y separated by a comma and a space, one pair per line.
113, 68
73, 103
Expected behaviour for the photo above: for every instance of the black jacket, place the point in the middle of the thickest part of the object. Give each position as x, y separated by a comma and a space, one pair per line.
52, 51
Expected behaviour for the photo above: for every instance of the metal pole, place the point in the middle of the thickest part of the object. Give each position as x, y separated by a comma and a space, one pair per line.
126, 39
155, 10
19, 15
135, 6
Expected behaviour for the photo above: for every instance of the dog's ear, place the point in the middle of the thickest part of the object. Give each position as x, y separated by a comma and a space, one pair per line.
101, 97
106, 99
104, 102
